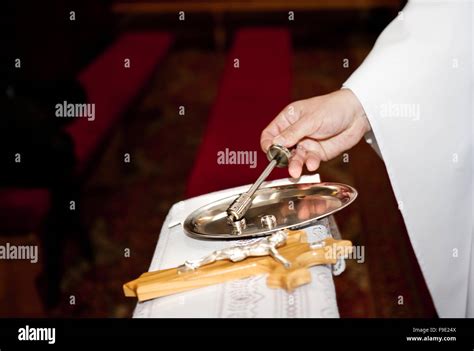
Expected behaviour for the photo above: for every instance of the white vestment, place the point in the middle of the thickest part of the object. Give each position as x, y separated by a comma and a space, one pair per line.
416, 89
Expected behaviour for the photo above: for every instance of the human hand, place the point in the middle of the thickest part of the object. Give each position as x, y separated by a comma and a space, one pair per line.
321, 127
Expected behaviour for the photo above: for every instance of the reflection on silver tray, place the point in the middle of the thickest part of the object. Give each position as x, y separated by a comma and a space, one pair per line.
281, 207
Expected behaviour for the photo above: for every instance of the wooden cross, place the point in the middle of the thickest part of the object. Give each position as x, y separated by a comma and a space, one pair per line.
285, 257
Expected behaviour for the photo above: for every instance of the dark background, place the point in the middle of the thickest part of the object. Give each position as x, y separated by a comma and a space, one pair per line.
124, 205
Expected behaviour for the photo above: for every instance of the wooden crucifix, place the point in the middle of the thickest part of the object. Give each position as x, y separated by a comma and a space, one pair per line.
285, 256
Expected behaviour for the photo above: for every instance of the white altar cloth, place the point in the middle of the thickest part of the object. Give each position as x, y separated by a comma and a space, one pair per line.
244, 298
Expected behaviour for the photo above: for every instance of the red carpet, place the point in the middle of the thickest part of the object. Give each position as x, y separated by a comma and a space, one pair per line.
249, 97
111, 87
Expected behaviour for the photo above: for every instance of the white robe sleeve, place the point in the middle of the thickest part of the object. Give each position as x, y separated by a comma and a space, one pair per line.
416, 89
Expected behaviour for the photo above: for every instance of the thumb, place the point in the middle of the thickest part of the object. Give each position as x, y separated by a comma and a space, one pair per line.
292, 134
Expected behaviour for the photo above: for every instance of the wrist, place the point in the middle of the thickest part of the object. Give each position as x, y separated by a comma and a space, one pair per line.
356, 110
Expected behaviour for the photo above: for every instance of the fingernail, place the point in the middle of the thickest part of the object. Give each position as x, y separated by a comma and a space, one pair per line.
294, 171
279, 140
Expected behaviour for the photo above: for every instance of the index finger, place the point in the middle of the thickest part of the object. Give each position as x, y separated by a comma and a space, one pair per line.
283, 120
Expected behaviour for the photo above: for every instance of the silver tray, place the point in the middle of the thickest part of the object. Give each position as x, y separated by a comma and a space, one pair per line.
292, 206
